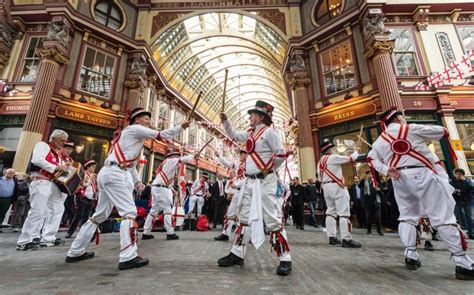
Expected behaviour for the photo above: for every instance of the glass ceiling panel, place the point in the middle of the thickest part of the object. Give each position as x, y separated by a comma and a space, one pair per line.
194, 54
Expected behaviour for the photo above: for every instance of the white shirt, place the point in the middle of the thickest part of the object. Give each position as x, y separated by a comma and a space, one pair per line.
195, 189
236, 182
418, 135
169, 167
268, 146
334, 164
131, 143
220, 183
40, 151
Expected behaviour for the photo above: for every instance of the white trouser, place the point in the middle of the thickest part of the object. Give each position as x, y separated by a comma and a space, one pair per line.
421, 185
162, 200
231, 214
115, 189
53, 220
337, 201
193, 200
44, 194
272, 212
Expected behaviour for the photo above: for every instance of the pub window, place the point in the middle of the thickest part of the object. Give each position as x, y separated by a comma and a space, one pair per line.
404, 53
96, 73
192, 134
338, 68
466, 33
109, 14
31, 60
178, 119
325, 10
164, 114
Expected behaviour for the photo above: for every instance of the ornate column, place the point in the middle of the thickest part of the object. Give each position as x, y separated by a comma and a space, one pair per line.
379, 50
53, 55
299, 82
136, 83
447, 118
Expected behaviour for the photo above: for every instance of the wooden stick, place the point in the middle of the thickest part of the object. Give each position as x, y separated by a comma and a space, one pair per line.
195, 105
364, 141
204, 146
225, 88
360, 136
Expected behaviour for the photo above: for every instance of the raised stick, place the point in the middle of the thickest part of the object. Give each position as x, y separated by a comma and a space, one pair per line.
195, 105
360, 136
364, 141
212, 138
223, 93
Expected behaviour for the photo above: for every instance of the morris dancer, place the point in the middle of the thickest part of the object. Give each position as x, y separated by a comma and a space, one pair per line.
56, 209
116, 181
44, 193
401, 152
199, 191
84, 197
162, 195
233, 189
265, 154
336, 194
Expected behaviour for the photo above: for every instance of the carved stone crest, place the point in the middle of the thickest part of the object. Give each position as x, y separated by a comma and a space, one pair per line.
138, 66
7, 33
297, 64
58, 31
374, 25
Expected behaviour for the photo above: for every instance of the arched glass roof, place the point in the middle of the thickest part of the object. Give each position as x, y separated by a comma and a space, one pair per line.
193, 55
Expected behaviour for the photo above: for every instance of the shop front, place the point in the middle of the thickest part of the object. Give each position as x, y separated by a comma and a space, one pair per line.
465, 125
12, 118
90, 131
342, 127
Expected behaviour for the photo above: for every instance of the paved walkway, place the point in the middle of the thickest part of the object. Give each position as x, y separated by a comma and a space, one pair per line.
189, 265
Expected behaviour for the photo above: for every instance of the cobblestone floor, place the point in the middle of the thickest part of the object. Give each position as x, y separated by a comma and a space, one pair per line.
189, 265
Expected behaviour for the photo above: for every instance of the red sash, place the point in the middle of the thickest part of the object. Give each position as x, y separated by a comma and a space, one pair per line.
323, 168
201, 188
250, 147
119, 155
53, 158
159, 171
400, 147
241, 171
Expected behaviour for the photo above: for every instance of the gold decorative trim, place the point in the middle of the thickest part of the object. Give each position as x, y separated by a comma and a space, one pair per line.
52, 54
379, 46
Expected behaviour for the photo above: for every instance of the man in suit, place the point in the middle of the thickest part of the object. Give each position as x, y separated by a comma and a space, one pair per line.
358, 201
297, 202
372, 204
218, 200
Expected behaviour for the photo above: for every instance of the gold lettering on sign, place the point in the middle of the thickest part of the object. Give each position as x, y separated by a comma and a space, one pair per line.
17, 108
74, 114
344, 115
453, 102
417, 103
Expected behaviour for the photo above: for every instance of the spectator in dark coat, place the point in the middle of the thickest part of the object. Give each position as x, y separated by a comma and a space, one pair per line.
297, 202
218, 200
22, 203
463, 197
372, 204
311, 192
356, 191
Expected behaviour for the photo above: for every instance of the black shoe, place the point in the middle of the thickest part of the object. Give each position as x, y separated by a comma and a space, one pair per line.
186, 224
334, 241
221, 237
380, 233
284, 268
36, 241
471, 237
412, 264
350, 244
464, 273
369, 232
68, 236
161, 230
429, 246
134, 263
214, 226
316, 226
230, 260
172, 237
84, 256
301, 227
193, 224
147, 237
28, 246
